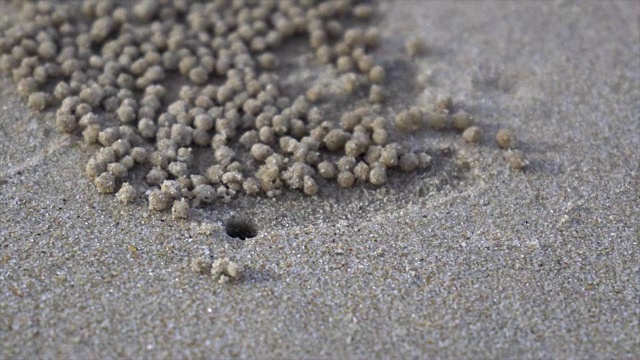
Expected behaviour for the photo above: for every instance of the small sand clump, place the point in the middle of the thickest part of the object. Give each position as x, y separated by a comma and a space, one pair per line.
506, 139
472, 135
516, 159
224, 270
201, 265
127, 193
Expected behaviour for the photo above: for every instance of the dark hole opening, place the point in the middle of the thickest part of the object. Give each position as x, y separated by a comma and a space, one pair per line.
241, 228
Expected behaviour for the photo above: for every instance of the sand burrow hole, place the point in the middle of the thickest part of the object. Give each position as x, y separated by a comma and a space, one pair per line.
241, 227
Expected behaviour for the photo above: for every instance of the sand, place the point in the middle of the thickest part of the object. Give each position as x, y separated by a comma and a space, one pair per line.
467, 260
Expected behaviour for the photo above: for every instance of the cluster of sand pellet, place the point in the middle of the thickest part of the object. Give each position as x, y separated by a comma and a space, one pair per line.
108, 67
222, 270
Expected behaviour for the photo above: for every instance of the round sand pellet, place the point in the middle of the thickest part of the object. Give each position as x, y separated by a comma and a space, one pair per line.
66, 123
472, 135
409, 120
118, 170
139, 155
156, 176
436, 120
346, 163
506, 139
38, 101
424, 160
309, 186
127, 193
346, 179
389, 156
335, 139
94, 168
105, 183
361, 171
327, 170
461, 120
409, 162
90, 134
180, 209
415, 46
159, 200
444, 103
205, 193
251, 186
377, 74
378, 174
376, 94
517, 159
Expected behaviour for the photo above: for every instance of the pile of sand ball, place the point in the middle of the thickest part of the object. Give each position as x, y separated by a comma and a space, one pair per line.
107, 67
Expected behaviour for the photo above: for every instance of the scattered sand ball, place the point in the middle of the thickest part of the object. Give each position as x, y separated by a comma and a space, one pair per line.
204, 193
335, 139
461, 120
346, 163
268, 61
118, 170
349, 83
357, 145
436, 120
444, 103
251, 186
424, 160
389, 156
105, 183
314, 94
363, 11
224, 270
378, 174
201, 265
127, 193
346, 179
517, 159
409, 162
90, 134
159, 200
156, 176
373, 154
171, 187
344, 64
38, 101
349, 120
139, 155
472, 135
409, 120
66, 123
371, 37
261, 152
506, 139
361, 171
108, 136
94, 168
309, 186
178, 169
327, 170
376, 94
377, 74
180, 209
415, 46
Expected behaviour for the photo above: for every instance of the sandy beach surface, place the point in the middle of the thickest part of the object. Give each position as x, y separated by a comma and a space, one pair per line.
469, 259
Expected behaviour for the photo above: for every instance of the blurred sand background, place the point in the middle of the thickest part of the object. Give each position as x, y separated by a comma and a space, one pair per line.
466, 260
